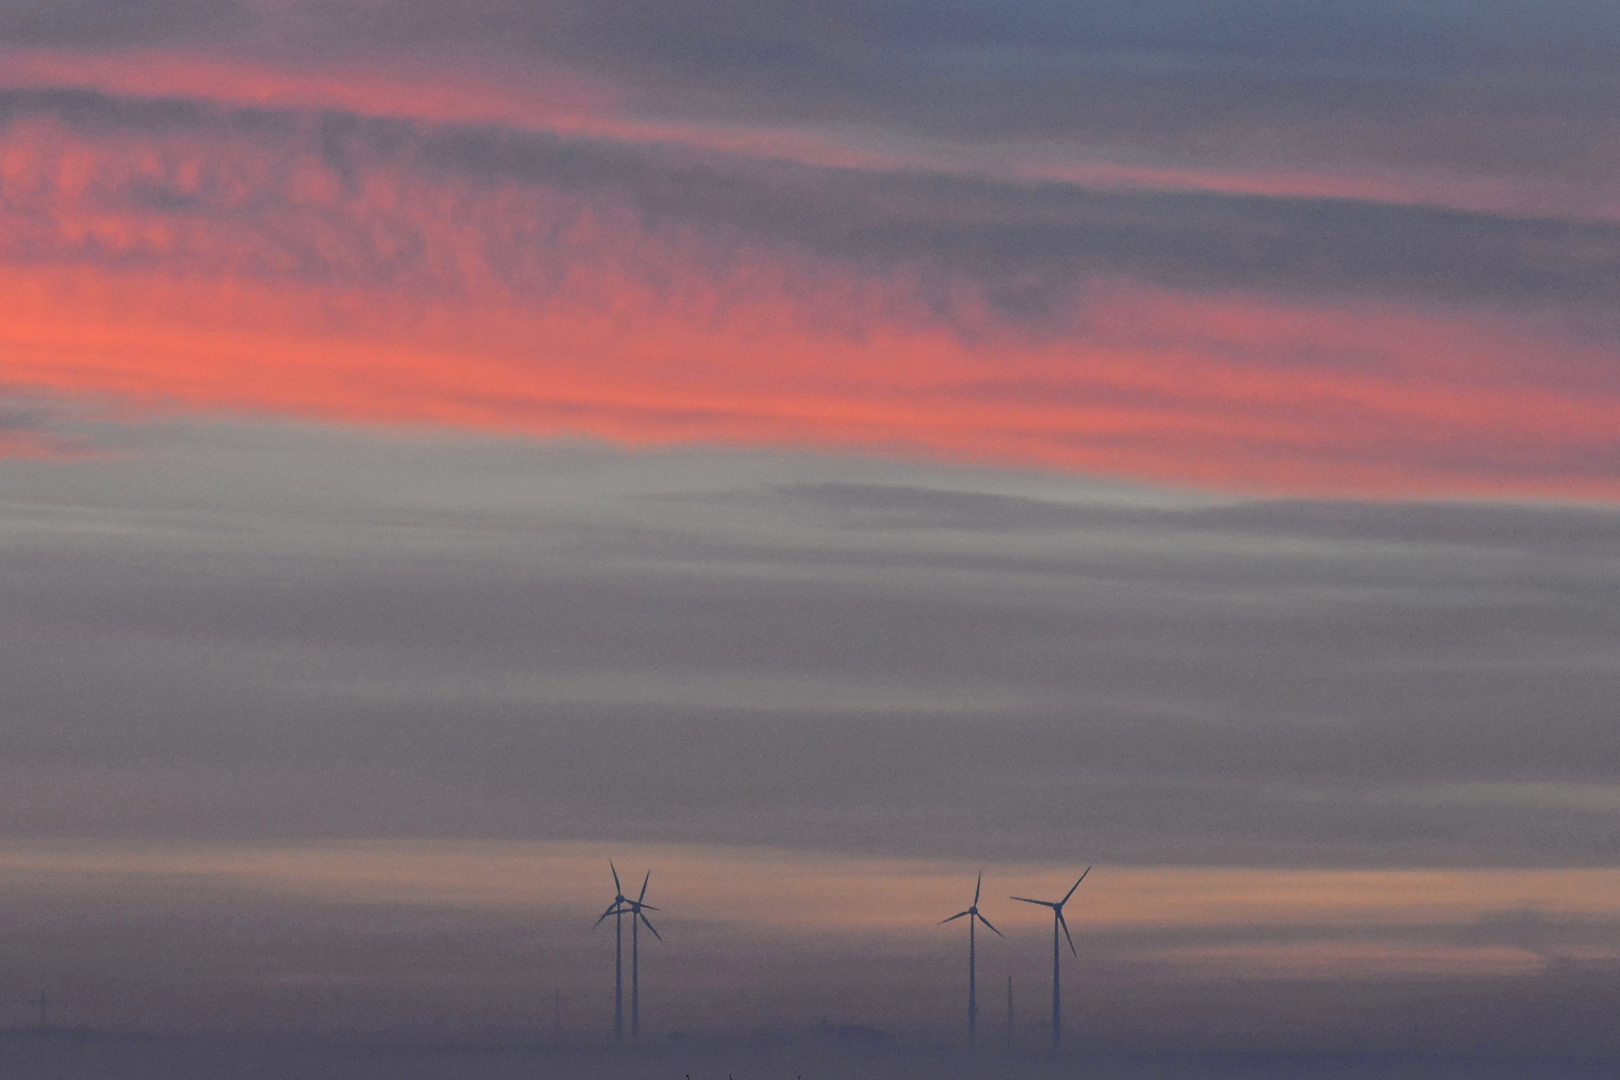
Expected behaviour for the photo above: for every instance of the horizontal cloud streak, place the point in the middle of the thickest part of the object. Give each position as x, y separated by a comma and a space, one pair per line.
1512, 91
529, 282
101, 23
1029, 236
489, 640
1506, 104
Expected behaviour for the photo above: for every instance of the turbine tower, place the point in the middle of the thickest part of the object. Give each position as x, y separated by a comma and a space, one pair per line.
1057, 983
972, 916
557, 1000
617, 909
635, 908
1009, 1013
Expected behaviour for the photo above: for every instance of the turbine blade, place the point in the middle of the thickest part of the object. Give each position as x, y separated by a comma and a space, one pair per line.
1073, 887
1027, 900
976, 886
1065, 924
645, 907
648, 878
986, 922
613, 910
655, 933
616, 886
953, 918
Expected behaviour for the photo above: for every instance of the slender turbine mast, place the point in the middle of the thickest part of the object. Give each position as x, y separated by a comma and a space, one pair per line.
634, 909
972, 916
1057, 983
1009, 1013
617, 909
557, 1000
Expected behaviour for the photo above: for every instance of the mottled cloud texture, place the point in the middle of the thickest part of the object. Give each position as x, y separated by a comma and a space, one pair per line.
847, 227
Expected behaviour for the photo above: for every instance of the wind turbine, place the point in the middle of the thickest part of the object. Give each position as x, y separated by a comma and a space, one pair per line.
1057, 984
1009, 1013
972, 916
617, 909
557, 1000
635, 908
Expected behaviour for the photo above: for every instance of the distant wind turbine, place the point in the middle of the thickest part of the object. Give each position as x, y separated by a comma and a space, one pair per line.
1057, 983
617, 909
972, 916
1009, 1013
557, 1000
635, 908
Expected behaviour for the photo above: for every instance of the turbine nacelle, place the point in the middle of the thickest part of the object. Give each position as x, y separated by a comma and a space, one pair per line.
619, 899
1057, 907
973, 911
635, 908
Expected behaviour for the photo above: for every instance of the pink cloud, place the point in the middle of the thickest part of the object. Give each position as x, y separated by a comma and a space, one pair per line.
177, 271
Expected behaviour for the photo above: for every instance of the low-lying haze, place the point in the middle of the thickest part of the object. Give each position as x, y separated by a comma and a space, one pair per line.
279, 712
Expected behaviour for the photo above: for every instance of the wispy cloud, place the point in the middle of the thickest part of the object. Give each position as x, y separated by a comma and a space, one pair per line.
1506, 91
107, 23
35, 426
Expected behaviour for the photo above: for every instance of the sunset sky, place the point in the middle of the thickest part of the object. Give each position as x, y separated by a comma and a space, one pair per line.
813, 451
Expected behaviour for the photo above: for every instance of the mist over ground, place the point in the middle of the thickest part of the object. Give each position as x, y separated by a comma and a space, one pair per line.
804, 1058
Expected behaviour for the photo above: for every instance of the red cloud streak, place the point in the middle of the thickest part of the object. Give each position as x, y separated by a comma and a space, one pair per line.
147, 269
482, 90
1158, 401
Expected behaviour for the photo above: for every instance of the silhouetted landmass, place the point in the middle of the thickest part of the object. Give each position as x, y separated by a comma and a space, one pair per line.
830, 1052
54, 1034
852, 1033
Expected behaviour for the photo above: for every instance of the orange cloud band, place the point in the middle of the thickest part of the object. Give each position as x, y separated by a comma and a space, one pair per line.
1165, 413
167, 272
1360, 916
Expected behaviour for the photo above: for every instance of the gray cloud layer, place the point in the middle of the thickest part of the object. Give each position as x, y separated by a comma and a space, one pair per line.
225, 180
1506, 88
443, 640
118, 22
1438, 84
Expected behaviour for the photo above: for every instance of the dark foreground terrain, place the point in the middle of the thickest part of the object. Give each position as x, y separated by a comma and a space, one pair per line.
91, 1056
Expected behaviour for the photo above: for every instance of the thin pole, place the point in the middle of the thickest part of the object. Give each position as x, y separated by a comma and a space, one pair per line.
618, 975
1057, 993
635, 973
1009, 1013
973, 992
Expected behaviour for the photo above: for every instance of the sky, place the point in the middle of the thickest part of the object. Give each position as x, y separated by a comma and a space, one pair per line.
813, 453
